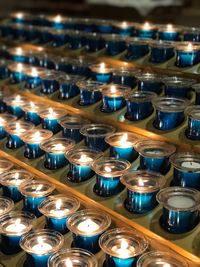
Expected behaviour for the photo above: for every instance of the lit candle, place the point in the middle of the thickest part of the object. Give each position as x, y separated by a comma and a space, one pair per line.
31, 111
4, 119
33, 79
18, 17
18, 54
15, 105
187, 55
124, 28
101, 72
169, 33
146, 30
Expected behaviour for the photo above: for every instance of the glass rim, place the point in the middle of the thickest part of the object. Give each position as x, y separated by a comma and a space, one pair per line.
26, 126
9, 164
84, 130
46, 145
193, 111
149, 77
10, 99
96, 67
179, 157
140, 96
161, 44
93, 85
196, 87
5, 178
121, 90
6, 118
36, 107
57, 112
178, 81
162, 103
131, 138
25, 186
44, 135
10, 205
69, 122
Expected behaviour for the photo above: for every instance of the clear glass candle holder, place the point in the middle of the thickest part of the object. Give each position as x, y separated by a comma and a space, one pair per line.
191, 34
15, 105
33, 139
80, 163
103, 26
122, 145
34, 193
125, 76
160, 258
146, 30
40, 245
57, 209
142, 188
31, 112
161, 51
14, 131
186, 169
154, 155
187, 55
33, 79
108, 172
114, 44
87, 226
101, 72
74, 257
12, 227
193, 129
6, 205
180, 209
169, 112
95, 135
17, 72
50, 118
150, 82
169, 32
122, 247
113, 97
71, 126
196, 88
81, 66
49, 83
4, 120
137, 48
55, 149
11, 181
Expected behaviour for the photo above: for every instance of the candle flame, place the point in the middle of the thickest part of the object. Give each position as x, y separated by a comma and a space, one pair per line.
113, 89
102, 66
107, 169
17, 126
1, 121
124, 244
16, 176
68, 263
36, 135
167, 265
19, 67
140, 182
38, 188
58, 204
34, 72
17, 222
19, 51
88, 222
19, 15
189, 47
58, 18
124, 24
50, 111
40, 240
32, 104
84, 158
59, 147
124, 138
169, 27
18, 98
146, 25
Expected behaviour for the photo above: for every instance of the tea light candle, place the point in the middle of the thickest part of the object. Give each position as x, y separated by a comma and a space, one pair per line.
114, 44
17, 72
146, 30
186, 169
154, 155
18, 54
191, 34
122, 247
124, 28
108, 172
5, 166
101, 72
161, 51
142, 187
12, 227
169, 32
160, 258
50, 118
80, 160
136, 48
11, 181
31, 111
71, 126
4, 119
57, 209
150, 82
18, 17
49, 82
87, 226
6, 205
32, 139
40, 245
57, 22
15, 130
33, 79
196, 88
15, 105
103, 26
122, 145
34, 193
72, 257
180, 209
125, 76
95, 135
55, 149
187, 55
193, 130
113, 97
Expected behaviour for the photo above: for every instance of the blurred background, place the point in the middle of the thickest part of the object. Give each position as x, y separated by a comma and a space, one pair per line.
184, 12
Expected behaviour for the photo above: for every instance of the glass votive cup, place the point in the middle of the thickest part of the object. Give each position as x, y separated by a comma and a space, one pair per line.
4, 72
94, 42
55, 149
139, 105
60, 37
122, 247
196, 88
169, 112
89, 92
95, 134
122, 145
11, 182
34, 193
12, 227
73, 256
160, 258
108, 172
124, 28
191, 34
193, 129
142, 188
154, 155
49, 82
80, 163
180, 209
31, 112
76, 40
46, 61
32, 139
137, 48
57, 209
187, 55
81, 66
51, 117
87, 226
4, 120
15, 105
103, 26
114, 44
19, 54
101, 72
161, 51
17, 72
150, 82
146, 30
71, 126
15, 130
169, 32
62, 64
19, 17
40, 245
6, 205
113, 97
33, 79
125, 76
186, 169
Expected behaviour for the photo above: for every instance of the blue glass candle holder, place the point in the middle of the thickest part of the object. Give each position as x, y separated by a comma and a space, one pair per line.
186, 170
45, 35
49, 82
17, 72
139, 105
180, 209
196, 88
81, 66
124, 28
57, 209
103, 26
122, 145
30, 33
142, 188
71, 126
60, 37
161, 51
85, 25
191, 34
150, 82
114, 44
4, 119
51, 117
40, 245
187, 55
6, 205
76, 40
80, 163
137, 48
101, 72
33, 79
32, 139
113, 97
94, 42
12, 227
11, 181
193, 129
14, 131
169, 33
154, 155
19, 17
57, 22
87, 227
89, 92
15, 105
34, 193
146, 30
108, 172
18, 54
63, 64
122, 247
169, 112
95, 134
4, 72
55, 150
31, 112
125, 76
45, 61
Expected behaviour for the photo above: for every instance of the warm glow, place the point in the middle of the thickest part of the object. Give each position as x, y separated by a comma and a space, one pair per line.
17, 126
169, 27
17, 222
102, 66
50, 111
141, 182
40, 240
19, 67
68, 263
16, 176
39, 187
124, 138
19, 15
167, 265
58, 18
36, 135
124, 24
189, 47
2, 121
113, 89
108, 169
34, 72
58, 204
32, 104
146, 26
124, 244
18, 98
84, 158
19, 51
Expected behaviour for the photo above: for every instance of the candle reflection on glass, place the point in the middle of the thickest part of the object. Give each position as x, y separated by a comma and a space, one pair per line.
31, 112
101, 72
15, 105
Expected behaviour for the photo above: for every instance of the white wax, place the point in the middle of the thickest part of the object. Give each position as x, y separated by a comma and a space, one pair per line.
180, 202
190, 164
123, 249
16, 227
41, 248
58, 213
84, 159
88, 226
